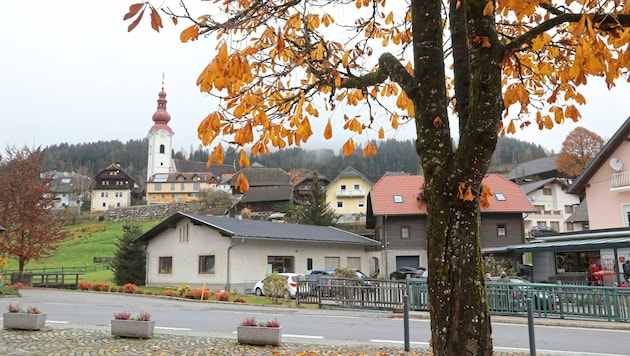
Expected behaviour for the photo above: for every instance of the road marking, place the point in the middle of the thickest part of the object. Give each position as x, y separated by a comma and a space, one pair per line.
177, 329
303, 336
57, 322
399, 342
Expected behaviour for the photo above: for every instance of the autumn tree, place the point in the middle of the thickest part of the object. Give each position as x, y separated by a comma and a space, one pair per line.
374, 67
578, 150
32, 231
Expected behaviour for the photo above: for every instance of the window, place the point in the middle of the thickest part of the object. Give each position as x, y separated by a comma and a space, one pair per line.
404, 232
182, 186
499, 196
196, 186
398, 198
172, 186
546, 191
161, 148
206, 264
541, 223
309, 264
343, 187
104, 205
357, 187
158, 187
570, 227
555, 225
354, 262
331, 262
280, 264
183, 233
361, 204
163, 195
166, 265
501, 230
568, 209
340, 204
540, 209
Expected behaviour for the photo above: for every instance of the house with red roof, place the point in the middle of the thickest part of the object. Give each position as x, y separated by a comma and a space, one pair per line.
398, 218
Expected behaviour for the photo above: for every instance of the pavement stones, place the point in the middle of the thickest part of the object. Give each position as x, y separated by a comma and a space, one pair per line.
53, 341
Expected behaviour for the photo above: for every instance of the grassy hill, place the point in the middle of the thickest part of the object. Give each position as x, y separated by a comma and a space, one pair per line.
85, 241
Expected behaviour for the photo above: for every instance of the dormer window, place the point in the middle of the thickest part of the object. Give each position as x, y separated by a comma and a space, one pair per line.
398, 198
499, 196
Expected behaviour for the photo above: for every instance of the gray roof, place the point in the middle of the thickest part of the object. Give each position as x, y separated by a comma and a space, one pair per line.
272, 193
351, 172
263, 176
263, 230
580, 214
534, 167
577, 241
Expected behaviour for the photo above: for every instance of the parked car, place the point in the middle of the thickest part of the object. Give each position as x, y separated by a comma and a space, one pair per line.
520, 289
403, 272
321, 281
290, 291
538, 231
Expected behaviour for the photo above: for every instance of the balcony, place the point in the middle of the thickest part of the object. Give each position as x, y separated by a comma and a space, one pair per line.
349, 193
620, 182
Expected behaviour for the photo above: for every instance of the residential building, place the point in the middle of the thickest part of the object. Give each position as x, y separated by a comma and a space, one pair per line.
552, 205
69, 189
232, 254
534, 170
347, 195
113, 188
268, 189
398, 218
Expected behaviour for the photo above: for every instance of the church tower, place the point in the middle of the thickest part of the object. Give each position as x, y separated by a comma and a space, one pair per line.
160, 139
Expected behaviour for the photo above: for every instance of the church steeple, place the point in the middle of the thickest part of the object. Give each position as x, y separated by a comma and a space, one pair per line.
160, 138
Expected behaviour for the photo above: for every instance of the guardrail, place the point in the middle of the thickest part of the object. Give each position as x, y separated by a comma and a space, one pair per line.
549, 300
58, 277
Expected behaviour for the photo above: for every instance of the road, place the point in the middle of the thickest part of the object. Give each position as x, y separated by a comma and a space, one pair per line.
77, 309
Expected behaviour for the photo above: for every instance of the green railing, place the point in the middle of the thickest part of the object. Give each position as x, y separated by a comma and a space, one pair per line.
549, 300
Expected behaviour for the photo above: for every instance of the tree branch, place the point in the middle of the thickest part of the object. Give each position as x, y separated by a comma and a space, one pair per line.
388, 67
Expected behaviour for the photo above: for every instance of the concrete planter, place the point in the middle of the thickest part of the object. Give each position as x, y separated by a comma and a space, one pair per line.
258, 335
133, 328
24, 321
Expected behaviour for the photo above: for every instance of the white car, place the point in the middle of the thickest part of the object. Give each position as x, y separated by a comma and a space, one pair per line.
291, 290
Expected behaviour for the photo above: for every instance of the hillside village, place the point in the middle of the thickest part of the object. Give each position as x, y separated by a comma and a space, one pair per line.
564, 228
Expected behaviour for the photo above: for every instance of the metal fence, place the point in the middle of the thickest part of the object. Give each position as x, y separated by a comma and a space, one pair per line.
549, 300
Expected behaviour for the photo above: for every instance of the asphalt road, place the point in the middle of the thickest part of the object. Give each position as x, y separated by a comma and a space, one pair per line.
77, 309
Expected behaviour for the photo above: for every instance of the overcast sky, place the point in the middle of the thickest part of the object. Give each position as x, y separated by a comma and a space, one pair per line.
70, 72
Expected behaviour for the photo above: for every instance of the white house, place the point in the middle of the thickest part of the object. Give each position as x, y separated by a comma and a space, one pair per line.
552, 203
232, 254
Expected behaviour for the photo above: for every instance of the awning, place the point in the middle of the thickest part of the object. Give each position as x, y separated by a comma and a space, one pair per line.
564, 245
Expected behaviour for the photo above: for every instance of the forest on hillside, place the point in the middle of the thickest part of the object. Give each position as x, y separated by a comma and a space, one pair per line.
393, 156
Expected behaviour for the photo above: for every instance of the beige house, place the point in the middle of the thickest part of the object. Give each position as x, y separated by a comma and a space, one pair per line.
232, 254
347, 195
113, 188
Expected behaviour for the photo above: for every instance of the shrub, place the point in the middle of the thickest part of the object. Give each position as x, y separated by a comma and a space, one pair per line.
83, 285
114, 289
251, 321
14, 308
273, 324
94, 287
239, 300
143, 317
103, 287
170, 293
183, 290
122, 316
197, 294
129, 288
138, 291
223, 296
148, 292
33, 310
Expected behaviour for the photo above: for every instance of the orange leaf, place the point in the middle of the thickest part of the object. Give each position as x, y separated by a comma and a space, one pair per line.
135, 22
133, 10
189, 34
243, 159
216, 156
174, 20
488, 9
437, 122
242, 184
156, 20
381, 133
348, 147
328, 131
511, 127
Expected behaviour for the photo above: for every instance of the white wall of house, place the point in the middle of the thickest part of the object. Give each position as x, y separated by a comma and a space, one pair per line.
248, 258
605, 205
103, 199
553, 206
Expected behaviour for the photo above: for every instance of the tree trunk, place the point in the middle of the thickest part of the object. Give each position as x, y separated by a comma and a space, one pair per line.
460, 319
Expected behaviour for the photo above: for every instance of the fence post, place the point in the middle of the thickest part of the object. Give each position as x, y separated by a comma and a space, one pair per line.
406, 320
530, 326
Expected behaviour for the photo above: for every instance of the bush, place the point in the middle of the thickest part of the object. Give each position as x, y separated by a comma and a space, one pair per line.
138, 291
114, 289
183, 290
103, 287
239, 300
129, 288
170, 293
83, 285
197, 294
223, 296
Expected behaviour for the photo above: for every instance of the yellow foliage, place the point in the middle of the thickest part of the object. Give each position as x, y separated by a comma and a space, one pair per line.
328, 131
348, 147
369, 150
241, 184
243, 160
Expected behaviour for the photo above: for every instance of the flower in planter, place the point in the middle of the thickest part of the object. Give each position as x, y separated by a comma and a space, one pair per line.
14, 308
251, 321
273, 324
122, 316
33, 310
143, 317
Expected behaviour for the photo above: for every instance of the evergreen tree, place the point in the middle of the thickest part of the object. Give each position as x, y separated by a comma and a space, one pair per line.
129, 264
316, 211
